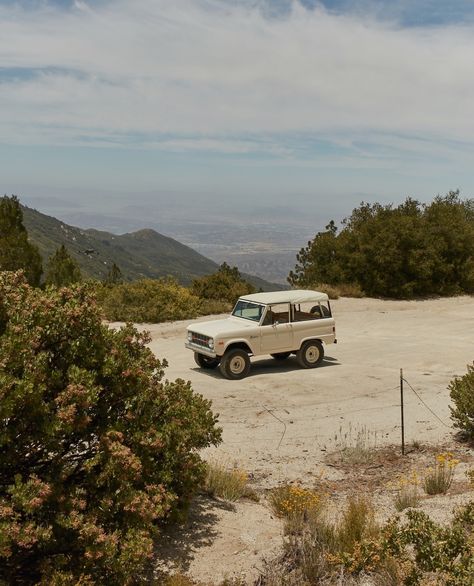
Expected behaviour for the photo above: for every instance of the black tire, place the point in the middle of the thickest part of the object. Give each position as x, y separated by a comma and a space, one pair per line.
281, 355
235, 364
205, 361
310, 354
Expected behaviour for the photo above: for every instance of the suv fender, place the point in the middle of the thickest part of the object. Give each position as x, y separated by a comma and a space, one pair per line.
241, 344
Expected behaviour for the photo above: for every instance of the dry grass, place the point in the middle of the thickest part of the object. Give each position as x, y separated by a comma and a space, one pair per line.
353, 447
341, 290
230, 484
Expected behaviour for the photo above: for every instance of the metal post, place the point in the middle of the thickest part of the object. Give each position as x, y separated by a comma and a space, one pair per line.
402, 414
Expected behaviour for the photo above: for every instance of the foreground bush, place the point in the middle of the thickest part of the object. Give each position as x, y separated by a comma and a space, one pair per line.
462, 393
96, 447
148, 301
410, 551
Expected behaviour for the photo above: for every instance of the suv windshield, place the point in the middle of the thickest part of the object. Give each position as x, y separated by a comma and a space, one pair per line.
248, 310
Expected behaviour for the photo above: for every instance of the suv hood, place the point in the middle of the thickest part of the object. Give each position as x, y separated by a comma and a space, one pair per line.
226, 326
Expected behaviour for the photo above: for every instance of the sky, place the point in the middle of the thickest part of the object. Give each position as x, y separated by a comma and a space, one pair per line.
272, 102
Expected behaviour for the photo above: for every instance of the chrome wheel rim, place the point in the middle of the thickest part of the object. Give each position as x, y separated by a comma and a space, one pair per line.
237, 365
312, 354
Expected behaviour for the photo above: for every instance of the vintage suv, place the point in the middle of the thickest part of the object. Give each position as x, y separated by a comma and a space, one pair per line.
279, 323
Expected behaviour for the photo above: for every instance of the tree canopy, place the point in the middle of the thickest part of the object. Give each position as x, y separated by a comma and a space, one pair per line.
406, 251
16, 252
62, 270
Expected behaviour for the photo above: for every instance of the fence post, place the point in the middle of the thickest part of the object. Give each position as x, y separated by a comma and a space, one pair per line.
402, 414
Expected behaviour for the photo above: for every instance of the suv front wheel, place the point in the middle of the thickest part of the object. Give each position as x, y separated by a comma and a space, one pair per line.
235, 364
310, 354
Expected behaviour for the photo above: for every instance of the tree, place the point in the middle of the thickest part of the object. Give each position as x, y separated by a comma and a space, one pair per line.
62, 270
114, 276
96, 446
16, 252
226, 284
406, 251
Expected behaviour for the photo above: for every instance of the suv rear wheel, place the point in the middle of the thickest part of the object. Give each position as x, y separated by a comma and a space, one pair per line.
205, 361
310, 354
235, 364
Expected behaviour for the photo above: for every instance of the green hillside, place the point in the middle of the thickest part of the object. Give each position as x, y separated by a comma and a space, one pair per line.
141, 254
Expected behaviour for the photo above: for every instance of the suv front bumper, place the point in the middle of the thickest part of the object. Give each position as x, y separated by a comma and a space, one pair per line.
200, 349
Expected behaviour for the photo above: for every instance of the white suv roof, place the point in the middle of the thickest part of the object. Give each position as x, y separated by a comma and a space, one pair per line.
295, 296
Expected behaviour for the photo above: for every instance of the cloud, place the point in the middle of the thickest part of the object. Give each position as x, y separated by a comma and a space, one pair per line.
205, 74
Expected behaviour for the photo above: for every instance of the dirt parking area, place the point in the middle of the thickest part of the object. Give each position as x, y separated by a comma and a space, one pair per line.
282, 421
279, 422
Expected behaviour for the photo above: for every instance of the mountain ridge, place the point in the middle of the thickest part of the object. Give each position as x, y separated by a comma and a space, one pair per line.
144, 253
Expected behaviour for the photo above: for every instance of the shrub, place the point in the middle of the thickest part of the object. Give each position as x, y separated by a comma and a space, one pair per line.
293, 502
96, 446
226, 285
462, 393
439, 477
148, 301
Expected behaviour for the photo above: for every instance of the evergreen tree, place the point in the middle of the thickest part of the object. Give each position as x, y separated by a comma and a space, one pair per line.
62, 269
15, 250
114, 276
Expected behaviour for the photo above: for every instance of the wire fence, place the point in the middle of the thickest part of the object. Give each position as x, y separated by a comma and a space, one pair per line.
283, 416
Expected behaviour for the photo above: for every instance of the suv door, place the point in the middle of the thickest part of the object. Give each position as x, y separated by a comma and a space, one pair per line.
276, 331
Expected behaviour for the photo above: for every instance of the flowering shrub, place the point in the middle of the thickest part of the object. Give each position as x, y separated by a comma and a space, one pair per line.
96, 447
438, 478
293, 502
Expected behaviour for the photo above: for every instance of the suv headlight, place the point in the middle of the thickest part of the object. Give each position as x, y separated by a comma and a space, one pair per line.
211, 343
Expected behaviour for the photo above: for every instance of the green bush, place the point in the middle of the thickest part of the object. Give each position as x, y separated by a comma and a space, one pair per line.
406, 251
148, 301
226, 285
97, 447
462, 393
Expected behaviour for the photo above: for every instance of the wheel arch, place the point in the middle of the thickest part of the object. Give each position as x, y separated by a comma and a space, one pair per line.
240, 344
311, 339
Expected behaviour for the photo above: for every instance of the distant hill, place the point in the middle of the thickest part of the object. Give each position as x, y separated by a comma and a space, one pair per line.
141, 254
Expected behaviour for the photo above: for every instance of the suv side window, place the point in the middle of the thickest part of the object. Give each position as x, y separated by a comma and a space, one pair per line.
279, 312
310, 310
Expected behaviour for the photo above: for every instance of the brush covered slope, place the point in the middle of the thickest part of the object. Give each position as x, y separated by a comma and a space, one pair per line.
141, 254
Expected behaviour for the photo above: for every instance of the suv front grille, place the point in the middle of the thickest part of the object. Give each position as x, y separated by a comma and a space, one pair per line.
200, 339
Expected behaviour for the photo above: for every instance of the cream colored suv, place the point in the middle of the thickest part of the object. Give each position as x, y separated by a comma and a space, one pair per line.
279, 323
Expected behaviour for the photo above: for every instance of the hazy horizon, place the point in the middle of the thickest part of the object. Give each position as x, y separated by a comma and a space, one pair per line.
291, 111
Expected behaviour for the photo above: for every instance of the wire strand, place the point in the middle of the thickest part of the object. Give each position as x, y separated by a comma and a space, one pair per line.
427, 406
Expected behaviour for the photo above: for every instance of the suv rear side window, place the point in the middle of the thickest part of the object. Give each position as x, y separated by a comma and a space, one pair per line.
310, 310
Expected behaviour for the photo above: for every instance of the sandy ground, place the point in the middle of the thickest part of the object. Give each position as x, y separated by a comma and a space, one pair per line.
281, 421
